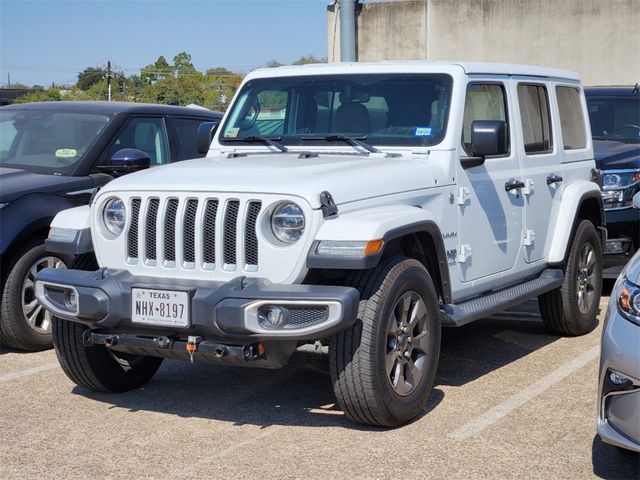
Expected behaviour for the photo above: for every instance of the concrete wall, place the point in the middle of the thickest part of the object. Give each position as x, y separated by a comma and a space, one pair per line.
599, 39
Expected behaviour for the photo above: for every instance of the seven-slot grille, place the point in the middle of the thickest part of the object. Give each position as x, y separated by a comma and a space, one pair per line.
210, 233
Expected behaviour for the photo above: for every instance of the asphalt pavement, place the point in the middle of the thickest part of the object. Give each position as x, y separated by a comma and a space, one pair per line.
511, 401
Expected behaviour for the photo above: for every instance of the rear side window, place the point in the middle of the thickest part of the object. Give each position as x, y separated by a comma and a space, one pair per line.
536, 118
483, 102
188, 134
574, 135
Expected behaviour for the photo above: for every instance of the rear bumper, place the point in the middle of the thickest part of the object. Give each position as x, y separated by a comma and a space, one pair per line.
224, 312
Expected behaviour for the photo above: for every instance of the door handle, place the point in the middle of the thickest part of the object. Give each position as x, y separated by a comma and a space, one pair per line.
513, 184
553, 178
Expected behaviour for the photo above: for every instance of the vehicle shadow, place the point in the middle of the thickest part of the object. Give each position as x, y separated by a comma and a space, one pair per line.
612, 462
299, 394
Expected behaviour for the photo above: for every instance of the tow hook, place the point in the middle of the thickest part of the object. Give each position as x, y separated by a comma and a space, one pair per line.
192, 345
254, 352
110, 342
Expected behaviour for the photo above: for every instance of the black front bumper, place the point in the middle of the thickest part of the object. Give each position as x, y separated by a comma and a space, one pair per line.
219, 311
622, 225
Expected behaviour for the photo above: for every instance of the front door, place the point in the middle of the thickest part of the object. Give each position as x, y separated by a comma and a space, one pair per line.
490, 216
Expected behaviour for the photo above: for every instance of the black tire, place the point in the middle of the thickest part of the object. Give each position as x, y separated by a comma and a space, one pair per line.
95, 367
15, 331
560, 308
362, 386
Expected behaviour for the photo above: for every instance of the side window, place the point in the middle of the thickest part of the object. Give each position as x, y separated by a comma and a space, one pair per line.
536, 118
187, 130
483, 102
146, 134
574, 133
7, 136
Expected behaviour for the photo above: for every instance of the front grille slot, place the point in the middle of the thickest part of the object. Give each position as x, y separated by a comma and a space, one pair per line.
170, 230
132, 237
298, 316
189, 231
251, 238
209, 232
150, 231
230, 232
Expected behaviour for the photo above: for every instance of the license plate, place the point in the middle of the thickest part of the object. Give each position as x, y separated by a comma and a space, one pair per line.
160, 307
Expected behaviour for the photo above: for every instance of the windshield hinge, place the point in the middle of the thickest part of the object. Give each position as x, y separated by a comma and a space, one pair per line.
327, 205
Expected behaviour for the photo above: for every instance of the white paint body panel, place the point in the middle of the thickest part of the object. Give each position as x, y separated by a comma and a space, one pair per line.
77, 218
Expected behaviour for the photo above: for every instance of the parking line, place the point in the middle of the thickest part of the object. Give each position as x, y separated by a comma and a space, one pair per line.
505, 408
29, 371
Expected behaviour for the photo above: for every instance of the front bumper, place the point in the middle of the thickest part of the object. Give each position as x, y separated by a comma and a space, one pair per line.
619, 406
220, 311
623, 227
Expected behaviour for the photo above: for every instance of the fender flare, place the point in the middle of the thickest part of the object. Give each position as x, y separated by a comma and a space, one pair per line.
572, 199
387, 223
78, 220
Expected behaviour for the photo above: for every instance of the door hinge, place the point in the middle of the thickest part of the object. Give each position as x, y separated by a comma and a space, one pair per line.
529, 238
528, 187
463, 195
464, 253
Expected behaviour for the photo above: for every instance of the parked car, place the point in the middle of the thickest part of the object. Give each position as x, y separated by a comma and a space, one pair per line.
362, 206
614, 113
619, 398
56, 155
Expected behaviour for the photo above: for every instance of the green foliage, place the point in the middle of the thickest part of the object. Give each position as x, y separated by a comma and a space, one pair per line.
307, 59
89, 77
48, 95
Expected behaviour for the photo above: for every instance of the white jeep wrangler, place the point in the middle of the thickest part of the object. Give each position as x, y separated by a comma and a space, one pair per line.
360, 205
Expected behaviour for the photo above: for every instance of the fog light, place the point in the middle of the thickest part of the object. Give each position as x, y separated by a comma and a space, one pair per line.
615, 246
619, 379
271, 316
71, 300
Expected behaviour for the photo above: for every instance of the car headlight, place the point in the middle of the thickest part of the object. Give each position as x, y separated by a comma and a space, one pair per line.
287, 222
628, 297
114, 215
618, 187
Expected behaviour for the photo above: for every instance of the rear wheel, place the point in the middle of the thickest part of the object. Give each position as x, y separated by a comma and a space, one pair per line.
383, 367
572, 308
96, 367
24, 323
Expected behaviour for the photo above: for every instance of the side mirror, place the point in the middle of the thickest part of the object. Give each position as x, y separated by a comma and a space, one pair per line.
126, 160
206, 131
488, 138
636, 201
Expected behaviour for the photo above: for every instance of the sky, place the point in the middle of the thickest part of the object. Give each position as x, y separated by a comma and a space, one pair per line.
50, 41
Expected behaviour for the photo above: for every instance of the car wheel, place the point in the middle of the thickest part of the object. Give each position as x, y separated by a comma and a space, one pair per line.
572, 308
384, 366
96, 367
24, 323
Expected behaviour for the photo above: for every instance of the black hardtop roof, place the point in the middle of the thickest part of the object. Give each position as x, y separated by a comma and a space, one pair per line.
115, 107
612, 91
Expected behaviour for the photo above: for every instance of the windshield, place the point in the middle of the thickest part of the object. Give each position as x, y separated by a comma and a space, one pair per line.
383, 109
45, 141
615, 118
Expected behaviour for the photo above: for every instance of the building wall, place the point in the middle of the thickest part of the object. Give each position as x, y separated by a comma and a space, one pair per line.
599, 39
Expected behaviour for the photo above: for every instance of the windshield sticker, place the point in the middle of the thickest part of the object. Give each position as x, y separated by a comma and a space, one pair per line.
423, 132
66, 153
232, 133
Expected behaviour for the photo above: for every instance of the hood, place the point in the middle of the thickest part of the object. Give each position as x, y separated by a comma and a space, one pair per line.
347, 177
15, 183
612, 155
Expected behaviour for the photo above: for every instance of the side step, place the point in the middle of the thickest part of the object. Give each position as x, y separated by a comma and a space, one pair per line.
460, 314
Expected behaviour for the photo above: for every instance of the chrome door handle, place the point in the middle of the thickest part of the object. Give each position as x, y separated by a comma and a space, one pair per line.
553, 178
513, 184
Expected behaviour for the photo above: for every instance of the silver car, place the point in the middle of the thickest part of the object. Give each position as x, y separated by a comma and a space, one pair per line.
619, 384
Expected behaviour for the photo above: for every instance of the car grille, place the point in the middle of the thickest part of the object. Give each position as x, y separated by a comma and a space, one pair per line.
194, 233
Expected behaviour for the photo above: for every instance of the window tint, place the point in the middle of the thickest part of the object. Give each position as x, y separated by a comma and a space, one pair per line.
571, 118
188, 135
483, 102
146, 134
535, 117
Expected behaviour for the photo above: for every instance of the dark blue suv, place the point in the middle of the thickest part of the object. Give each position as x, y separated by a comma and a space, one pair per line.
54, 156
614, 114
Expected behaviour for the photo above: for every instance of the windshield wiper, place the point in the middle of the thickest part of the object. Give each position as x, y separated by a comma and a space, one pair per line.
353, 141
260, 139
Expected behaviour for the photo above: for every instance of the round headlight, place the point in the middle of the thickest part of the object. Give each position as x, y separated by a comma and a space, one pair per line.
287, 222
114, 215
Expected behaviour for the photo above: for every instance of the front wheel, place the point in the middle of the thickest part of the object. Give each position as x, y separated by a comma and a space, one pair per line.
572, 308
383, 368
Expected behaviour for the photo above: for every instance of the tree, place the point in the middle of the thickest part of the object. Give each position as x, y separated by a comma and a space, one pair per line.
307, 59
273, 64
159, 70
89, 77
182, 64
